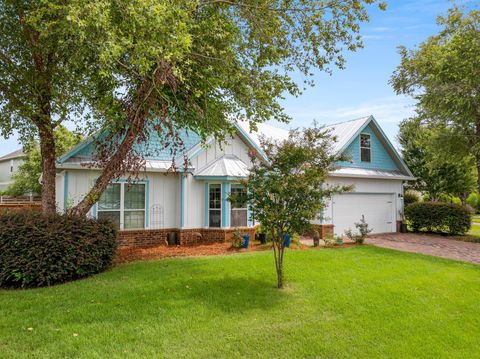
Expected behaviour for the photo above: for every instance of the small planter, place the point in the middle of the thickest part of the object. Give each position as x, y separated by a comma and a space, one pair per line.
403, 228
316, 241
262, 237
172, 239
286, 240
246, 241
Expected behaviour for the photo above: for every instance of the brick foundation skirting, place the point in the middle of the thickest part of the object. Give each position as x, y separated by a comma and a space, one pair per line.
324, 230
195, 236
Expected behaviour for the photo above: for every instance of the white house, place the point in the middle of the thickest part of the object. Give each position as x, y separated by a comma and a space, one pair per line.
194, 203
8, 166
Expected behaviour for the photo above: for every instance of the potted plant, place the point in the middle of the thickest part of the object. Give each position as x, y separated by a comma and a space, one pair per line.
172, 238
246, 240
261, 235
316, 238
286, 240
403, 225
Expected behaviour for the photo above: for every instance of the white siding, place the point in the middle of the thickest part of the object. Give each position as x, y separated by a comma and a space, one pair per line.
164, 194
5, 171
367, 185
235, 146
194, 203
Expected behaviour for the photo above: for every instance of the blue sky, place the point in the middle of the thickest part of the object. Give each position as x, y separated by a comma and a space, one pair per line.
362, 88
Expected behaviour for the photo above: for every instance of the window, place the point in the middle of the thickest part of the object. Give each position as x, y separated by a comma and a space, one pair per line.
124, 205
215, 205
11, 166
365, 148
238, 213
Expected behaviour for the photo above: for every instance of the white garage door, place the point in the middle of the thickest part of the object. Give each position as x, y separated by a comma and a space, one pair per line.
378, 209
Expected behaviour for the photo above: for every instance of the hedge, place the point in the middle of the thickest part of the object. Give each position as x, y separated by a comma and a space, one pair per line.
410, 197
438, 217
41, 250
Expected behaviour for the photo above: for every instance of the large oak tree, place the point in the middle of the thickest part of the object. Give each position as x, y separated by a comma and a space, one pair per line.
157, 65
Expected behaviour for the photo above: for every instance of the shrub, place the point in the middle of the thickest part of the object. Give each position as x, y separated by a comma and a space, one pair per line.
237, 239
363, 231
474, 200
40, 250
410, 197
439, 217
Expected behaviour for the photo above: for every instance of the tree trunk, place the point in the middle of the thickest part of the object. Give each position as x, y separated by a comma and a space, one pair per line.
477, 153
280, 268
47, 150
109, 172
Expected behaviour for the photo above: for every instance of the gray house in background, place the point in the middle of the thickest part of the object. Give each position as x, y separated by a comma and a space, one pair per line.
8, 166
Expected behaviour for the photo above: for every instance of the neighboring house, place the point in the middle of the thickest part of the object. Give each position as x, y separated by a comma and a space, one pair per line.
194, 202
8, 166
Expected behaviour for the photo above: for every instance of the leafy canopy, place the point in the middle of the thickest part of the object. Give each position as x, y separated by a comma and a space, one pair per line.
436, 167
443, 75
209, 61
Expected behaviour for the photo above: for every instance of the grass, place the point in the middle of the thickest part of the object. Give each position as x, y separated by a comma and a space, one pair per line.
474, 230
361, 302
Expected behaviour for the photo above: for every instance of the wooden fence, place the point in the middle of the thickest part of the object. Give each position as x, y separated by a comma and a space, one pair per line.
20, 203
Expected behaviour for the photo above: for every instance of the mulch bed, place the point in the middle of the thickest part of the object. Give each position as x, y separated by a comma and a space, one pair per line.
125, 255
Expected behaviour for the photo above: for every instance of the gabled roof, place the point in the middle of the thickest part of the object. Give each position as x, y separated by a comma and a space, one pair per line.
227, 166
13, 155
345, 133
158, 157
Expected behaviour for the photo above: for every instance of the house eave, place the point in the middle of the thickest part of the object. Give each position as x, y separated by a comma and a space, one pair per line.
371, 176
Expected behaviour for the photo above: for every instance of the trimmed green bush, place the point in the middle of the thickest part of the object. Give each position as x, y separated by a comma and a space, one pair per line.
438, 217
410, 197
39, 250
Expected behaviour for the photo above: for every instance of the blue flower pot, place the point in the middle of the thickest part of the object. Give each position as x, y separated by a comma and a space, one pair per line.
246, 240
286, 240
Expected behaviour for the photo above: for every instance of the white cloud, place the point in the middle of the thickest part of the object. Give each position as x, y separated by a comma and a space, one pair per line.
391, 109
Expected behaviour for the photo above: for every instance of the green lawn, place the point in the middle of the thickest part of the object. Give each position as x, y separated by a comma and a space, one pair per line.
361, 302
474, 230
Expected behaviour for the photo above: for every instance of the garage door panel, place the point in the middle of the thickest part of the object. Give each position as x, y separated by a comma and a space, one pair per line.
378, 209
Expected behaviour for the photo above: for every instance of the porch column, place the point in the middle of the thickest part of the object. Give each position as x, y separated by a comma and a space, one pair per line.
205, 208
225, 205
182, 200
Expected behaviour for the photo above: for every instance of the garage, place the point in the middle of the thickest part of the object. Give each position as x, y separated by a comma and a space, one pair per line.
378, 209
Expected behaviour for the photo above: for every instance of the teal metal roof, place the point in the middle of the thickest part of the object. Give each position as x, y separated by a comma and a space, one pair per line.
155, 148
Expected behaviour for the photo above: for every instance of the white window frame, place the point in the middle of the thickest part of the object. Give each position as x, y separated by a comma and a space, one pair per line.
122, 210
369, 148
215, 209
238, 209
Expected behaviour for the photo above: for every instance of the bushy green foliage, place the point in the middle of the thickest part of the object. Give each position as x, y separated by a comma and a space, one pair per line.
410, 197
441, 74
439, 217
40, 250
474, 200
26, 179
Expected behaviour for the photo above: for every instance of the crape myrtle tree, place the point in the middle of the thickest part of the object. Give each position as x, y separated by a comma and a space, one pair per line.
289, 191
443, 75
153, 66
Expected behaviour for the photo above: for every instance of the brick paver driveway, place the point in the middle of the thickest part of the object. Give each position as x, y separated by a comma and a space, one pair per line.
428, 244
